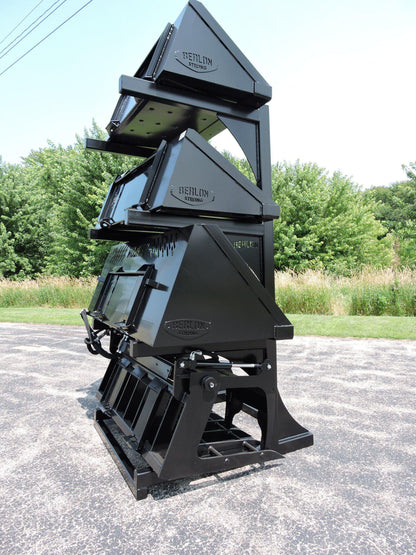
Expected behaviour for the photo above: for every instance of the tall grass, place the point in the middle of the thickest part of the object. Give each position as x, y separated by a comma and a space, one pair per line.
57, 292
369, 293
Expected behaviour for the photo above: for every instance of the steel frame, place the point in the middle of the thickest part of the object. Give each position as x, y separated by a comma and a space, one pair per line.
159, 392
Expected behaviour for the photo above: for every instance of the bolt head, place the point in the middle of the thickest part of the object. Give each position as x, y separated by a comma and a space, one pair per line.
209, 383
182, 365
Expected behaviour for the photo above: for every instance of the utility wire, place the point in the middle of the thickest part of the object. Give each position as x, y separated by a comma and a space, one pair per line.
28, 27
44, 38
31, 30
20, 22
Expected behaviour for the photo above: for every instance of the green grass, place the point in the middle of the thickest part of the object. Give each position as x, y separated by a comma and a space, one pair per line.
386, 327
383, 327
58, 292
41, 315
386, 292
369, 304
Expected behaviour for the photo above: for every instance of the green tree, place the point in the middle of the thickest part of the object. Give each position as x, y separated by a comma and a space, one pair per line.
395, 208
325, 222
395, 204
83, 187
24, 227
75, 182
7, 255
47, 205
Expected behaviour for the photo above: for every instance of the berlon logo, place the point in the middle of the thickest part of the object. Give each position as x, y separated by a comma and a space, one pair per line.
195, 61
194, 196
187, 328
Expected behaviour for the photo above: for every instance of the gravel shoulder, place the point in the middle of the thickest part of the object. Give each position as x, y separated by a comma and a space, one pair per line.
352, 492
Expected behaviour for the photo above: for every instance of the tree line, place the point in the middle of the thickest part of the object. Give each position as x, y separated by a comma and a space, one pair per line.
50, 201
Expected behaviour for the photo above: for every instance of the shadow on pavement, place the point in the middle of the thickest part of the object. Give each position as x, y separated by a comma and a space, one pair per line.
89, 402
177, 487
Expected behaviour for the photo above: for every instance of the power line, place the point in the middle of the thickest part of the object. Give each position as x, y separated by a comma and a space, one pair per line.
44, 38
28, 27
31, 30
20, 22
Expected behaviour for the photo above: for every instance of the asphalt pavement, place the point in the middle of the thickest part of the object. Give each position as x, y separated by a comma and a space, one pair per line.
353, 492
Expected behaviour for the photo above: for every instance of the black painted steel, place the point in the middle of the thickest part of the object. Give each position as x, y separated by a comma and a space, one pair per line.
196, 54
168, 294
185, 175
188, 299
177, 111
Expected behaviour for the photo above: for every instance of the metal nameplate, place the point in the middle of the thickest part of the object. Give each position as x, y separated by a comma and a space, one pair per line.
194, 196
187, 328
195, 61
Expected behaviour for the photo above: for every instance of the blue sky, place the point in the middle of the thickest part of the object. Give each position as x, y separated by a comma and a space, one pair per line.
342, 71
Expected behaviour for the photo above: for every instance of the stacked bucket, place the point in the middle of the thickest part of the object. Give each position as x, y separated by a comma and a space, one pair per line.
187, 296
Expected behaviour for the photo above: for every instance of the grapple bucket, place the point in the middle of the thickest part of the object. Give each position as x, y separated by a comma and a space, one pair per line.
184, 176
167, 294
196, 54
